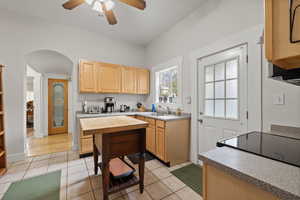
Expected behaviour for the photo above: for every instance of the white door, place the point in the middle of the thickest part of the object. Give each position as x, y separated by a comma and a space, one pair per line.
222, 97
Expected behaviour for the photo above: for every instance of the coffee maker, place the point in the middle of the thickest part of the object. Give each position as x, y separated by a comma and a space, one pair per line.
109, 104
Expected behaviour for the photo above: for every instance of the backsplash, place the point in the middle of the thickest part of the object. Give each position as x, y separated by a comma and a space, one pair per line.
98, 99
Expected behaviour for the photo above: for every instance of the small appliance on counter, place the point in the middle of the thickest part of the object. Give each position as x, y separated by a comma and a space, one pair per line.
124, 108
109, 104
140, 107
89, 108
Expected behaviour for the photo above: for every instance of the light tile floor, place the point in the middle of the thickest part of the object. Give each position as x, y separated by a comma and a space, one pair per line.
79, 182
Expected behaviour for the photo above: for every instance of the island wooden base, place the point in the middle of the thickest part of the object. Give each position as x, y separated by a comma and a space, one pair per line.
217, 185
118, 145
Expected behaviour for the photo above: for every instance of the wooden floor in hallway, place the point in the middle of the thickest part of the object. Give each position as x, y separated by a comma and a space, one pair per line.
48, 145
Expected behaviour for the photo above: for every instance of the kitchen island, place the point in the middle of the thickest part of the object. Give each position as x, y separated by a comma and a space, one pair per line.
233, 174
163, 135
116, 137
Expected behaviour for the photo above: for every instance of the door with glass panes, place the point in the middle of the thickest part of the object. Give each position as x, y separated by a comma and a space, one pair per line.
57, 106
222, 96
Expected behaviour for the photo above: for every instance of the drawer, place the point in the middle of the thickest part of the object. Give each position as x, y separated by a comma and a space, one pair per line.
86, 145
161, 124
150, 121
87, 136
140, 118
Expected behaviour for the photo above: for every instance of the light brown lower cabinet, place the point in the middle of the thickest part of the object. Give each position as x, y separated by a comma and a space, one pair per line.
218, 184
85, 144
173, 141
160, 143
167, 140
151, 136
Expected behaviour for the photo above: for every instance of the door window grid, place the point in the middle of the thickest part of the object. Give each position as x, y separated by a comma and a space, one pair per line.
221, 90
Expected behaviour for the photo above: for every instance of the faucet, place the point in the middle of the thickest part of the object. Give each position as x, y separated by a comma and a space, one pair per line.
166, 108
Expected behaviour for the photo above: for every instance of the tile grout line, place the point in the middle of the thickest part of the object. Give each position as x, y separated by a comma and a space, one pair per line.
90, 180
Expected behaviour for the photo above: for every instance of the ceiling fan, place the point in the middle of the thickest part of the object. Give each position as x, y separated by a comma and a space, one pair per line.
105, 6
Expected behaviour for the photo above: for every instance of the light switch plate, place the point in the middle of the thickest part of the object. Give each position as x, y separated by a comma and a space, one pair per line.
279, 99
188, 100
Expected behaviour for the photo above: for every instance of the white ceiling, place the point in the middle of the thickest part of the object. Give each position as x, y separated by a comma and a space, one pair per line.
47, 61
139, 27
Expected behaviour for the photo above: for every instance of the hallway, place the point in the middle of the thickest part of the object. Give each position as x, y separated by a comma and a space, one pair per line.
48, 145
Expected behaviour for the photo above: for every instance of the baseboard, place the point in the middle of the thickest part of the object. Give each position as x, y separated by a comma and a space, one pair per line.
16, 157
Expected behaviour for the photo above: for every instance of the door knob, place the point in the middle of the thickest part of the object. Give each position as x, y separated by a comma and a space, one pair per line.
200, 120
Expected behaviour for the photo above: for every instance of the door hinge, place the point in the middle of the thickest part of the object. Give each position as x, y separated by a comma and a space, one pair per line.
247, 115
247, 59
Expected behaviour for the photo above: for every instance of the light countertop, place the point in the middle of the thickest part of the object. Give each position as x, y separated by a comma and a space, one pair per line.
112, 124
278, 178
144, 114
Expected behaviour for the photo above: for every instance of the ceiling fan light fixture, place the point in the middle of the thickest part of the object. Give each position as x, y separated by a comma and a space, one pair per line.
98, 7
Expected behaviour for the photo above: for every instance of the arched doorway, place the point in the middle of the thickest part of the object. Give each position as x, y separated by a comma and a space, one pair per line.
47, 102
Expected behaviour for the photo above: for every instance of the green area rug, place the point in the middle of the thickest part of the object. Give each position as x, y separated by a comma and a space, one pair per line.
191, 175
45, 187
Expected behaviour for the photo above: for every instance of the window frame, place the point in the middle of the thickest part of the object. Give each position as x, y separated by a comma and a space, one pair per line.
225, 84
175, 62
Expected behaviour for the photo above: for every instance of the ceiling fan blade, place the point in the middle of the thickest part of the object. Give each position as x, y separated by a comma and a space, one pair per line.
71, 4
109, 14
140, 4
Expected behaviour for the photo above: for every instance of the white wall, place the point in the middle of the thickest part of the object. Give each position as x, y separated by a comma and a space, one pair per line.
217, 25
287, 114
214, 20
23, 35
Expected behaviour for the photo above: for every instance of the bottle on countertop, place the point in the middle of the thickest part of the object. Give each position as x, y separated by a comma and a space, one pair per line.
153, 108
178, 111
84, 107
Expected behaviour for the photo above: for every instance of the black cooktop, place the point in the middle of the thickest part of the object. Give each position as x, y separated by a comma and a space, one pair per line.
280, 148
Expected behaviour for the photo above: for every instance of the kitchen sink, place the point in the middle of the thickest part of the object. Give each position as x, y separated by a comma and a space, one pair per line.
160, 114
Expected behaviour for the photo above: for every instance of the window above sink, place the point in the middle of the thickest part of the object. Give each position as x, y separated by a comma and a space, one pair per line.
167, 83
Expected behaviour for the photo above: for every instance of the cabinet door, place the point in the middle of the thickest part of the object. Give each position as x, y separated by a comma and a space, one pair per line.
109, 78
160, 143
150, 140
279, 49
143, 79
129, 83
87, 77
150, 136
86, 145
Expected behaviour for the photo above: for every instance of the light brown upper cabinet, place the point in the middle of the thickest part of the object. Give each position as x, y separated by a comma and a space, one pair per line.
109, 78
87, 77
98, 77
143, 82
280, 48
129, 84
